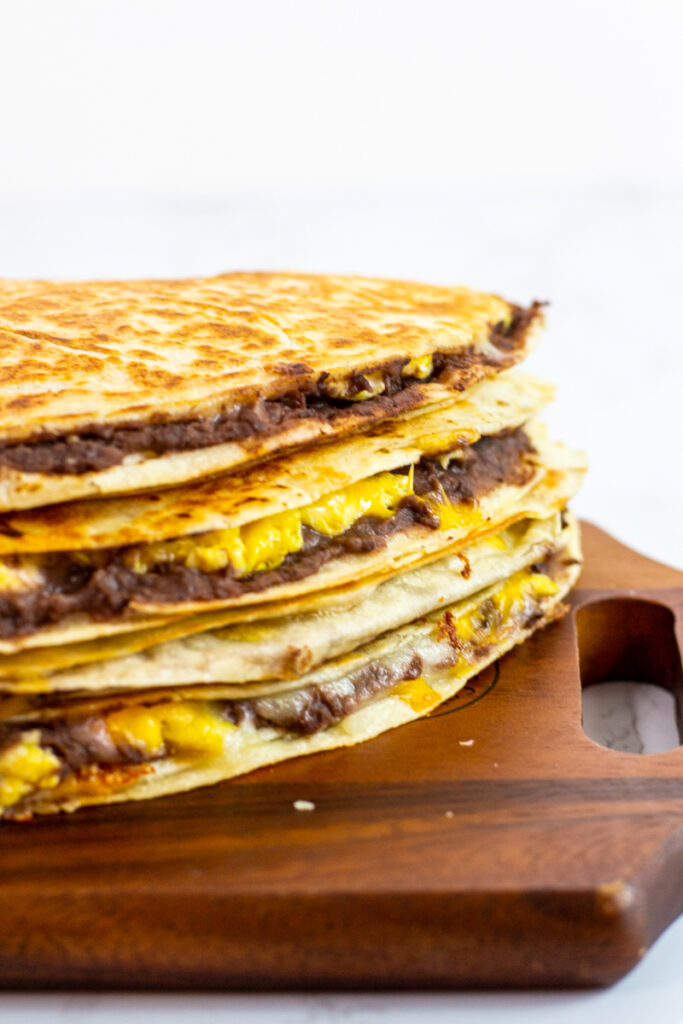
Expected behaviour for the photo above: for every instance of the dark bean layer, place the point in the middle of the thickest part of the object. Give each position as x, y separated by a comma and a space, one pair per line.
106, 591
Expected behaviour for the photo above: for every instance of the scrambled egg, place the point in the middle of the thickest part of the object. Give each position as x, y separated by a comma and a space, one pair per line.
24, 767
186, 727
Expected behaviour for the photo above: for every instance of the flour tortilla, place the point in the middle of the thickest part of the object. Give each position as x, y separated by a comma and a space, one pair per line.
247, 748
78, 355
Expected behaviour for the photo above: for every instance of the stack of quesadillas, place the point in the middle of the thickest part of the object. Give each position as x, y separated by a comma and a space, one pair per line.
256, 516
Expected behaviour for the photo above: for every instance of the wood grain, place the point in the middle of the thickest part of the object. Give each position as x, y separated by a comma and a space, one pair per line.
531, 857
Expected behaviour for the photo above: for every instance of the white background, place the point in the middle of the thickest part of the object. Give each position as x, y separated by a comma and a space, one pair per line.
529, 148
204, 97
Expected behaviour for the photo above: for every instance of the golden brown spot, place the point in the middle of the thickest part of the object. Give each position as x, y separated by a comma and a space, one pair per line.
145, 375
446, 631
22, 402
467, 570
292, 369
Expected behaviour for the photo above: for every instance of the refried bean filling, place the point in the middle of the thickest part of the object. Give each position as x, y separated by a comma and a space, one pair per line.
101, 446
105, 590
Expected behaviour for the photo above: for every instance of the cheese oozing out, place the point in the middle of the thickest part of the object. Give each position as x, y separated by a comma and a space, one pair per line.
265, 543
505, 604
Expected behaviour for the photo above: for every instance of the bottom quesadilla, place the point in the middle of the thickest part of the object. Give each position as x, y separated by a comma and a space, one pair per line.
69, 750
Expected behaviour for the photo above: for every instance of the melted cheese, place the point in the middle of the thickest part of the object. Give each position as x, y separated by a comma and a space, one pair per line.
195, 729
421, 367
464, 628
489, 625
417, 694
8, 579
341, 388
498, 542
513, 594
377, 496
185, 727
266, 542
455, 517
26, 766
507, 601
375, 387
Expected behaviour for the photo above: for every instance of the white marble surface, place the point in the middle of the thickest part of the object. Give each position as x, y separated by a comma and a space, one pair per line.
637, 718
610, 261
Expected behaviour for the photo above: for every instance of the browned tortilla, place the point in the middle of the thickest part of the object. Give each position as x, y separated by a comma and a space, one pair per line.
113, 387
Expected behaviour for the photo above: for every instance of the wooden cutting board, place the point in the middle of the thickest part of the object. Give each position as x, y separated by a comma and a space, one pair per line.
491, 844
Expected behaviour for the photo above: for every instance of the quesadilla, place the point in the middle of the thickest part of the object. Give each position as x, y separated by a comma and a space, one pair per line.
203, 649
116, 387
397, 516
258, 516
154, 743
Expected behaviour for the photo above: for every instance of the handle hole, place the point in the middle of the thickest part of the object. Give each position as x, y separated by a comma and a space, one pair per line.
631, 675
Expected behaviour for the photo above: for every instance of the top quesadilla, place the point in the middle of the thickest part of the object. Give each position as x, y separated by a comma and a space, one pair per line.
118, 387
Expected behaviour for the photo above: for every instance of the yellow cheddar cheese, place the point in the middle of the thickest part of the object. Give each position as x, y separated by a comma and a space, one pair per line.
266, 542
417, 694
375, 387
9, 578
507, 601
341, 389
514, 592
498, 542
456, 517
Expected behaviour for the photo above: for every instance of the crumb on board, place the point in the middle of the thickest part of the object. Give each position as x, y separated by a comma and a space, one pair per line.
304, 805
448, 814
466, 743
